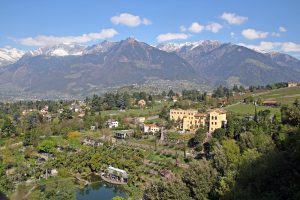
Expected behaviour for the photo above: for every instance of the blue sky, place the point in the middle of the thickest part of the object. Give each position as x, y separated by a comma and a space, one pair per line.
262, 24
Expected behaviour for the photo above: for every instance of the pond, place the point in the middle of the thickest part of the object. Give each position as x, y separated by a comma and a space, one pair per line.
99, 190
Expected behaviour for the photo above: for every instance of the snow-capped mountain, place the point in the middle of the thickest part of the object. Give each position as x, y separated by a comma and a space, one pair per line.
99, 48
58, 50
171, 47
9, 55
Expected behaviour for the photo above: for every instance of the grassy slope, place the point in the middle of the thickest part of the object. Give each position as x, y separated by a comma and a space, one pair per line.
282, 95
244, 109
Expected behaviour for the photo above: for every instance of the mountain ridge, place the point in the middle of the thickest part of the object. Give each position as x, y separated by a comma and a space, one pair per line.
125, 62
76, 70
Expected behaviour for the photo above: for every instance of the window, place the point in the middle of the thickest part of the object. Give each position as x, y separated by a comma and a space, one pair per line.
212, 123
215, 117
215, 123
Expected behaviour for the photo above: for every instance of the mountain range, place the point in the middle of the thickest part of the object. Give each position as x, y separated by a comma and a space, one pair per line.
71, 70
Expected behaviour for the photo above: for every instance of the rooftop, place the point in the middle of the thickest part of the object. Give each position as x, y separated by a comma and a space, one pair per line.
218, 110
151, 125
200, 115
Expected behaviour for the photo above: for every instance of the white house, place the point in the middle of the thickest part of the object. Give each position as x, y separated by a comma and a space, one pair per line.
112, 123
151, 128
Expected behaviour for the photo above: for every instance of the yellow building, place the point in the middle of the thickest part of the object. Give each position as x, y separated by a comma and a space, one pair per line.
191, 120
188, 119
217, 119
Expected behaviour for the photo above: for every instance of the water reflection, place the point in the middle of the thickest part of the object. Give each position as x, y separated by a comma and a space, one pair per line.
99, 190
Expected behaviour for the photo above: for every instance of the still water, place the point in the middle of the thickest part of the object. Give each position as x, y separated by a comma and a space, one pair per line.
99, 191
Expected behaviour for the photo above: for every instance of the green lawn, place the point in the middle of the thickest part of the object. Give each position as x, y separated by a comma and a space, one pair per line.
244, 109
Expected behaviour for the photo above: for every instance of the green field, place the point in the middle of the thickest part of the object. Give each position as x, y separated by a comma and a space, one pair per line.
282, 95
249, 109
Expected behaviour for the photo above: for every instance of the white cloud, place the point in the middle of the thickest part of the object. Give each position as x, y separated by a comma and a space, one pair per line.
275, 34
43, 40
196, 27
171, 36
252, 34
290, 47
286, 47
213, 27
128, 19
263, 46
268, 45
234, 19
282, 29
182, 29
146, 22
